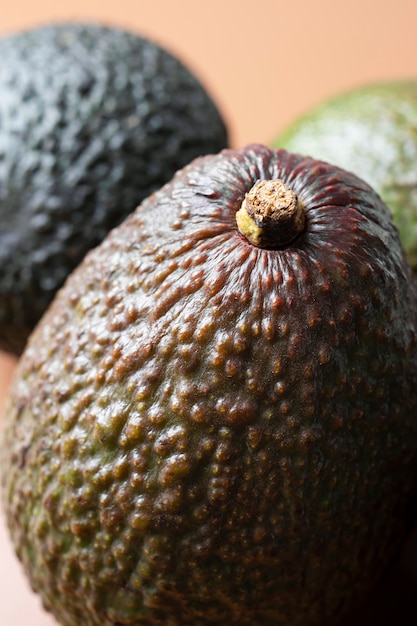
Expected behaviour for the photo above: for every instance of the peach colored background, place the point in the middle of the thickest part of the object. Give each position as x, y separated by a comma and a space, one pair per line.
265, 62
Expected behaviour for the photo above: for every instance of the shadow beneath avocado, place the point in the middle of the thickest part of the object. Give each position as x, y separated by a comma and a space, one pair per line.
394, 602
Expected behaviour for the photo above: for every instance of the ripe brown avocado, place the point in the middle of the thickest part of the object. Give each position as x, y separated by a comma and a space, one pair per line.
215, 421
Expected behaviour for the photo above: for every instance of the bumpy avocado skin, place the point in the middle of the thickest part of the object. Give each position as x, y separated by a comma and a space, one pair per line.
92, 120
372, 131
202, 432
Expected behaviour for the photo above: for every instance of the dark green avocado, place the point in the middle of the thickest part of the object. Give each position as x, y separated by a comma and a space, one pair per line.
214, 423
92, 120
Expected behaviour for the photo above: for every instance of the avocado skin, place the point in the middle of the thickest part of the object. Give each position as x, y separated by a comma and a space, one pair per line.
372, 131
92, 120
202, 432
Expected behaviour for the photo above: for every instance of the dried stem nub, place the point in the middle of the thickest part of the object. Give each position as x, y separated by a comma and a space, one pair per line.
271, 216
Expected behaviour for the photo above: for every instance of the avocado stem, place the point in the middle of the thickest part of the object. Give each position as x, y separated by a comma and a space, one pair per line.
271, 216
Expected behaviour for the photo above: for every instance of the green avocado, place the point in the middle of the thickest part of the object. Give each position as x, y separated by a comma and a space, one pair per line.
215, 420
372, 131
92, 120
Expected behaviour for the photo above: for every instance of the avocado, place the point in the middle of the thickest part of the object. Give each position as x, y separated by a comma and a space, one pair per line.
92, 120
215, 420
370, 130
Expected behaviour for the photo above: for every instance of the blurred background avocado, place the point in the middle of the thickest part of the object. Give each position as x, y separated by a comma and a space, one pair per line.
93, 119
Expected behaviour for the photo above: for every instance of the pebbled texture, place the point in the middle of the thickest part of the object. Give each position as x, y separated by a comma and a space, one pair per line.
92, 120
202, 432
